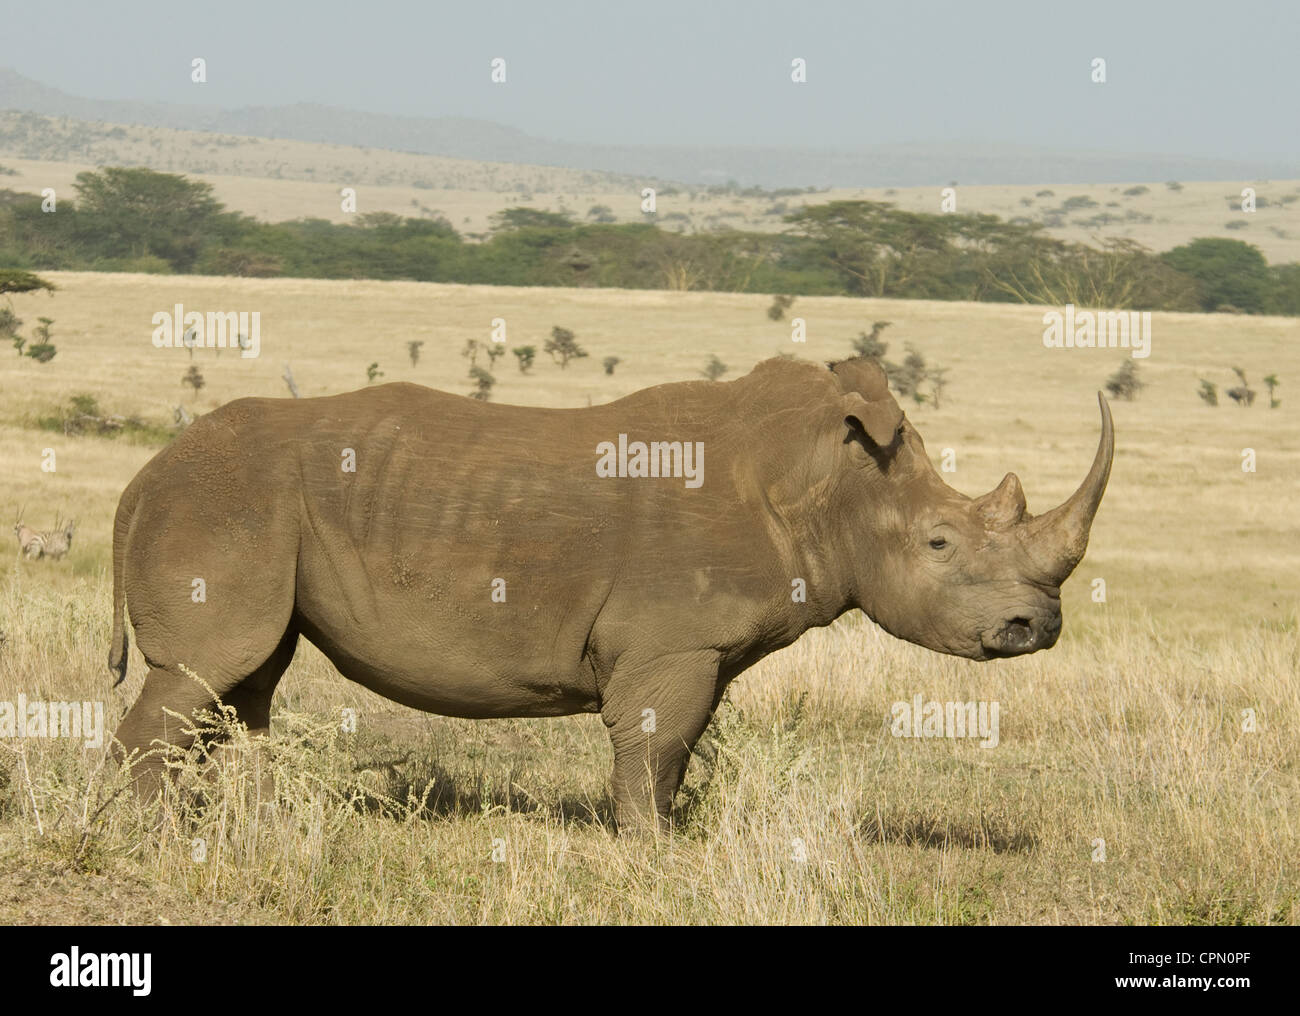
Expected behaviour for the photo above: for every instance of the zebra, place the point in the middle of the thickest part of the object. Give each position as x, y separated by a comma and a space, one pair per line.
53, 543
58, 541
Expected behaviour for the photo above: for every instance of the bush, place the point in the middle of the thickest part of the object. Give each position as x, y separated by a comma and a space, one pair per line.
483, 382
525, 355
563, 346
870, 346
14, 280
780, 304
1124, 383
82, 416
1209, 393
194, 378
1272, 384
1226, 272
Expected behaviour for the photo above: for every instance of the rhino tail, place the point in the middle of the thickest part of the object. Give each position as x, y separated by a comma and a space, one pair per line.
121, 528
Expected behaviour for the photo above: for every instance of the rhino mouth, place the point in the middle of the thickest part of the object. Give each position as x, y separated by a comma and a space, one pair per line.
1022, 634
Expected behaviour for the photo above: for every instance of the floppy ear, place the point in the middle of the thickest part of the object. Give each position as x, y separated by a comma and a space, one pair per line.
877, 419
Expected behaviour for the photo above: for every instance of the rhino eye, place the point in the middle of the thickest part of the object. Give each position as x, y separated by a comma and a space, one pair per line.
938, 543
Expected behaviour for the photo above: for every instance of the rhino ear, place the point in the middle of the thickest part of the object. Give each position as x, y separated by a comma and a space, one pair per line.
878, 420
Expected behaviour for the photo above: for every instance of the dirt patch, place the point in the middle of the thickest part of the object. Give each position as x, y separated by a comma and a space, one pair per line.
41, 890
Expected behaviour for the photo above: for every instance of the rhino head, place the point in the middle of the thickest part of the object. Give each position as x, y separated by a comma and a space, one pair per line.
974, 577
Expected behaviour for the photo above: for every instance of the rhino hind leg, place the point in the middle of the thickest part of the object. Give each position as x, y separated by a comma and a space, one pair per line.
251, 701
160, 719
251, 698
157, 723
655, 711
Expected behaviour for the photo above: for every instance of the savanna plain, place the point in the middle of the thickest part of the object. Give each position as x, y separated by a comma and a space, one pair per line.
1146, 768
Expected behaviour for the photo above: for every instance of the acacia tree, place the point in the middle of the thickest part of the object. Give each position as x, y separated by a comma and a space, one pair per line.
14, 280
563, 346
134, 212
525, 355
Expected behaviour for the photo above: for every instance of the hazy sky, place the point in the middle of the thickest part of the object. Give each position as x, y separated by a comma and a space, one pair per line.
1184, 77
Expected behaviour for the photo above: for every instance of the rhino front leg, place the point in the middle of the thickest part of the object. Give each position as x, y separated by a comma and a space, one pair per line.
655, 709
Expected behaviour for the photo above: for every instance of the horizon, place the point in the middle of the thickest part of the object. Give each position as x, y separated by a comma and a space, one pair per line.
710, 78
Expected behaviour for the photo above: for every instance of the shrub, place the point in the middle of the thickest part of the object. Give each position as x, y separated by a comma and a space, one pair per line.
13, 280
83, 416
1124, 383
194, 378
780, 304
525, 355
1273, 384
563, 346
483, 382
870, 346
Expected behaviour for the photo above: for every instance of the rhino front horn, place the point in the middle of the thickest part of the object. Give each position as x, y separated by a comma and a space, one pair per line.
1060, 537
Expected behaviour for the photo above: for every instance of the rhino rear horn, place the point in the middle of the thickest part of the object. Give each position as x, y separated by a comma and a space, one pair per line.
1005, 504
1060, 537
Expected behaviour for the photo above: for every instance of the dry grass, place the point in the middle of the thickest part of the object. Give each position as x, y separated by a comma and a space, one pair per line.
1129, 731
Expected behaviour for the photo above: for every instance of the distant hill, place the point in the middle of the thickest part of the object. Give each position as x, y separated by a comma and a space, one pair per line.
772, 166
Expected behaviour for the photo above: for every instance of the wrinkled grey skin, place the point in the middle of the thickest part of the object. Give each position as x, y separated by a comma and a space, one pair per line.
623, 595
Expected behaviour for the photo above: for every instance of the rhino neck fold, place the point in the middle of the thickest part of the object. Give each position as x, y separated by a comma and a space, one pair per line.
810, 548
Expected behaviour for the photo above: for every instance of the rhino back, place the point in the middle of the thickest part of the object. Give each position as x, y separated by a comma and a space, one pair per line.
411, 507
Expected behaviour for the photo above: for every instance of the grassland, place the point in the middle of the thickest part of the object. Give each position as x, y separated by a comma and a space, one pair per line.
277, 179
805, 808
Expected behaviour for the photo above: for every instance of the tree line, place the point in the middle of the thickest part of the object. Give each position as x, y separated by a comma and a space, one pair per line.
131, 219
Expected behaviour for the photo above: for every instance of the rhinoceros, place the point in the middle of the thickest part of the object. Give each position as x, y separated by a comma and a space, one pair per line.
481, 560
